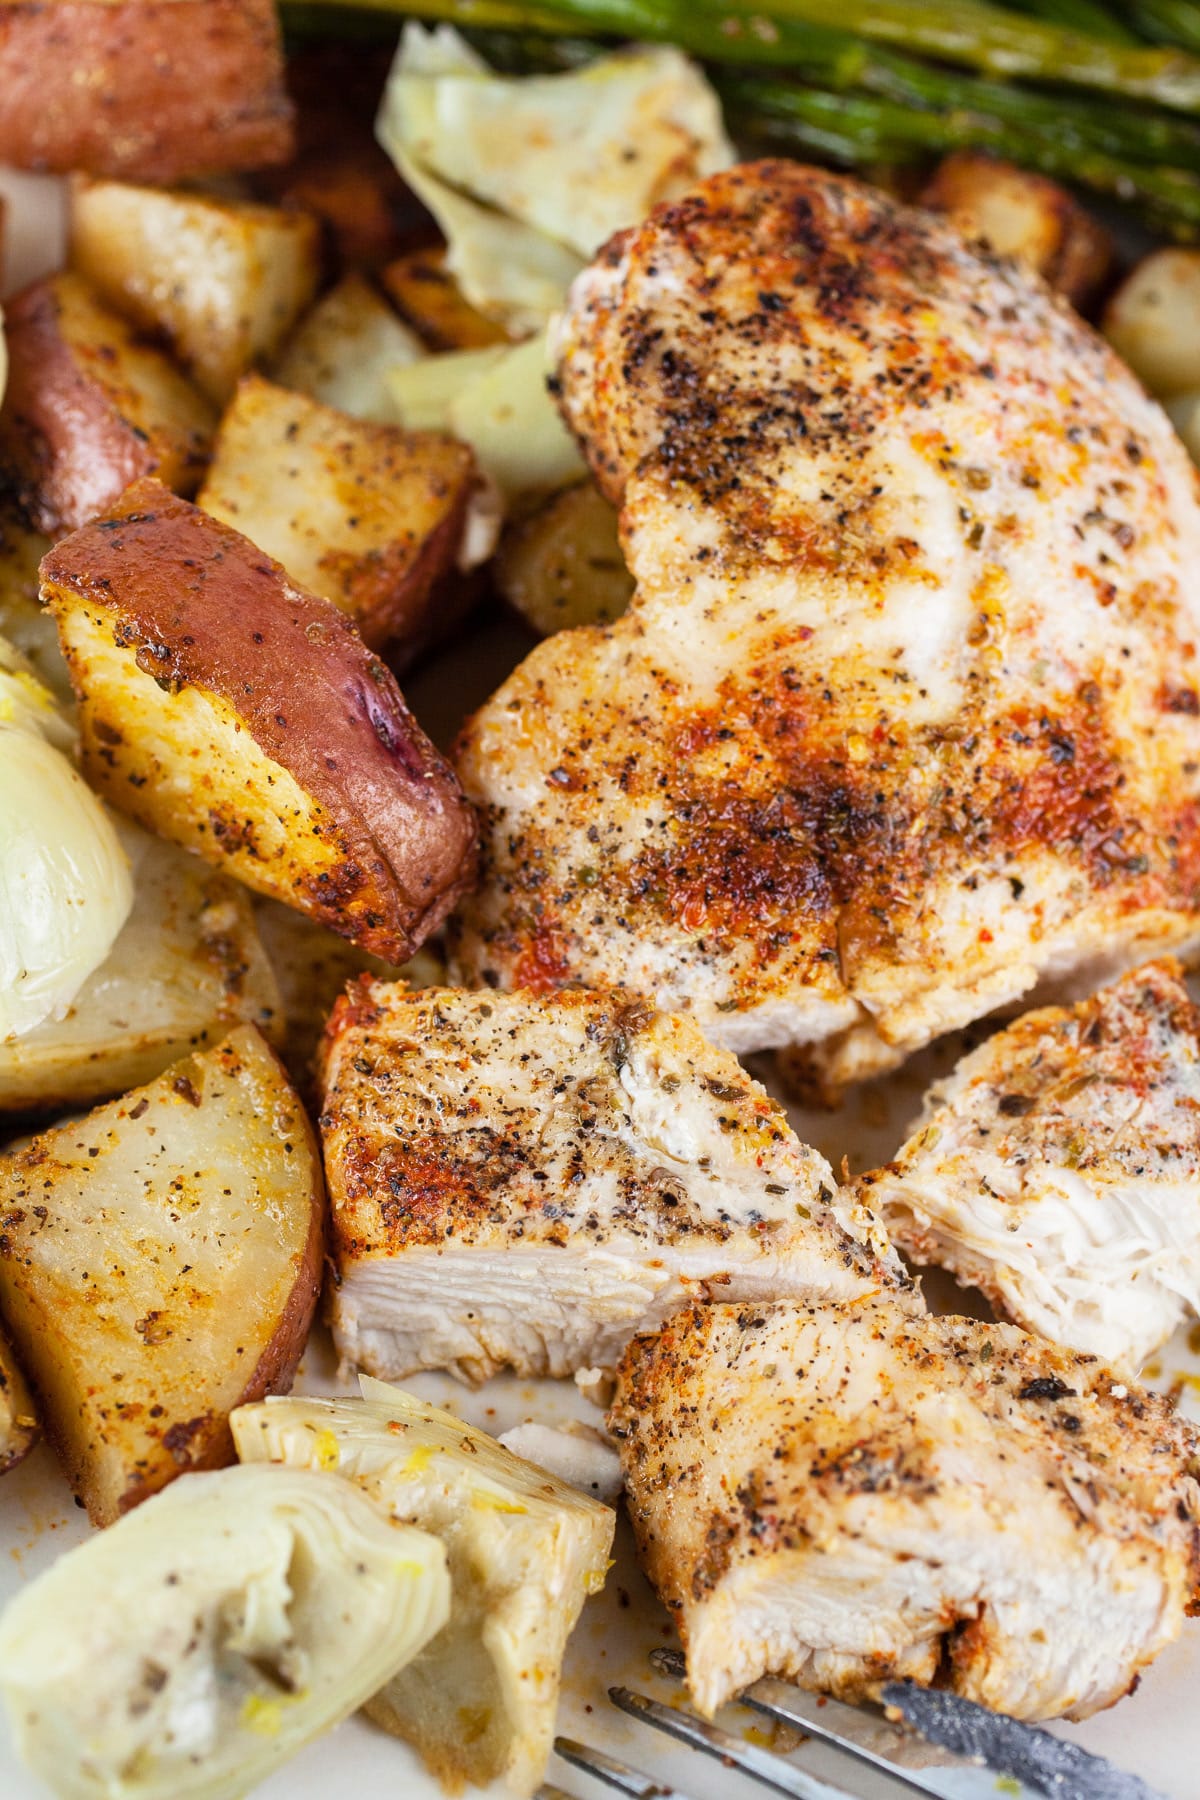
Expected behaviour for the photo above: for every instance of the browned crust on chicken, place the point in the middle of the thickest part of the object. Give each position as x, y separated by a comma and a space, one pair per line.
906, 710
977, 1489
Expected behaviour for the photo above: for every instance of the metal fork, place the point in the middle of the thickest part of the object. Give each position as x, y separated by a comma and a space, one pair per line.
927, 1742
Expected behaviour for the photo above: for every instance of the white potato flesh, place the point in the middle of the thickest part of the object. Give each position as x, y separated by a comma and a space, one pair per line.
524, 1552
189, 1650
1153, 321
224, 281
341, 351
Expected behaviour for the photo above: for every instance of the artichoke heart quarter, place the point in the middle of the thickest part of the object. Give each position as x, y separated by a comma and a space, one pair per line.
197, 1644
524, 1550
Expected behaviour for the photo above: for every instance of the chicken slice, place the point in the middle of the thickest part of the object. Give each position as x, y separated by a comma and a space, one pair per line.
904, 717
523, 1549
527, 1180
845, 1496
1058, 1169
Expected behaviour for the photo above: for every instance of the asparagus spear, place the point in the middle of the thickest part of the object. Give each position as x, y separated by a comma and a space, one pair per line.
878, 130
1166, 21
1087, 16
979, 36
782, 35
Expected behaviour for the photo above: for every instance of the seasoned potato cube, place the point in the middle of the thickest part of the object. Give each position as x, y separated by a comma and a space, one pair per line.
89, 408
236, 714
432, 303
562, 566
1018, 213
341, 351
157, 90
159, 1264
1153, 321
366, 515
222, 281
19, 1430
186, 967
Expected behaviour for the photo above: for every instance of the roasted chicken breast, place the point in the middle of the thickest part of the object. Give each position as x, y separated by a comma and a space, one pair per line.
904, 717
1058, 1169
527, 1180
846, 1496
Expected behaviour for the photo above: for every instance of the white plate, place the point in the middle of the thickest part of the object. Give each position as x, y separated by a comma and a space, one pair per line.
1152, 1734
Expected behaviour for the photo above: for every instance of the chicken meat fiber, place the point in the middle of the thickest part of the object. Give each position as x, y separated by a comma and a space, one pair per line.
1058, 1169
524, 1181
846, 1496
903, 722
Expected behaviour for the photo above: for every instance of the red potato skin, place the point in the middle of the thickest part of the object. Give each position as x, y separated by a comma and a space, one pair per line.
201, 607
146, 90
69, 447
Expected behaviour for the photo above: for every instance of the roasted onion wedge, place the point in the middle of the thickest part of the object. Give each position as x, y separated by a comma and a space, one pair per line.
194, 1647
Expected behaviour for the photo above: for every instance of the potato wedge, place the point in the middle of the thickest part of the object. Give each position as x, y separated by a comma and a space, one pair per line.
160, 1261
89, 408
368, 516
430, 300
243, 718
188, 965
24, 621
156, 90
19, 1429
222, 281
1018, 213
342, 349
1153, 321
562, 566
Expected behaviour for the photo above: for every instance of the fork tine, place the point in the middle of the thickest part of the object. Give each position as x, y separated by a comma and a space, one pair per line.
862, 1732
617, 1774
760, 1765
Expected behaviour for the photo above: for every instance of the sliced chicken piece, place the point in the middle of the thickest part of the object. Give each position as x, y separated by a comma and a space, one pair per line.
846, 1496
1058, 1169
527, 1180
904, 716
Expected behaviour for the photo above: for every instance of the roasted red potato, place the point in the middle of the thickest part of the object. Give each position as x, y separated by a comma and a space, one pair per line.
1018, 213
342, 349
160, 1262
155, 90
89, 407
239, 716
368, 516
221, 282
